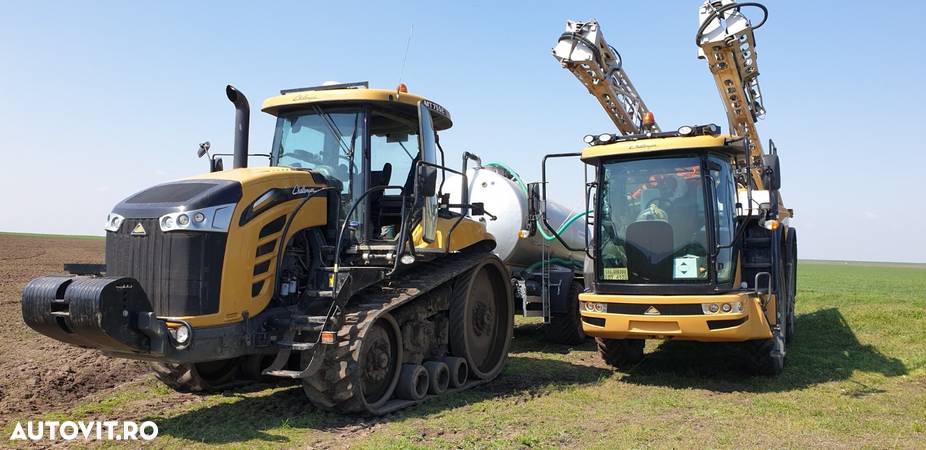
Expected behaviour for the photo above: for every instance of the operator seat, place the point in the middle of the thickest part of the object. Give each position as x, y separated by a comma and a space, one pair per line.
378, 178
649, 246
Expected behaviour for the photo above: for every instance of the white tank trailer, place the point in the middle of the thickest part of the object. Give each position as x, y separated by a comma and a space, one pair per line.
554, 296
504, 195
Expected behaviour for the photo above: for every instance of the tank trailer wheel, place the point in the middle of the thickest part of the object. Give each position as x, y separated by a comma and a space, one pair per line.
621, 354
208, 376
567, 328
481, 318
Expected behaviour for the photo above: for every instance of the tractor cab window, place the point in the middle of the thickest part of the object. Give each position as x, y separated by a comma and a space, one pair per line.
324, 141
653, 224
393, 153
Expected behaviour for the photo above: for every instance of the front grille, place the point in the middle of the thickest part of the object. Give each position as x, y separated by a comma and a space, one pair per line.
180, 271
684, 309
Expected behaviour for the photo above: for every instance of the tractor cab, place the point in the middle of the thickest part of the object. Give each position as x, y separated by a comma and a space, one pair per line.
377, 148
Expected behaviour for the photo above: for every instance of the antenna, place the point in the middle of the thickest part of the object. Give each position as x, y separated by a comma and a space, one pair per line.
405, 58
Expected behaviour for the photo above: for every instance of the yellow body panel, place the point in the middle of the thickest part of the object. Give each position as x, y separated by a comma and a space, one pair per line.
240, 251
273, 105
240, 259
681, 327
467, 233
653, 145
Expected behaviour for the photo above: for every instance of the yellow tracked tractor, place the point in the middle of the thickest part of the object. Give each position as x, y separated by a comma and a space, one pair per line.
692, 240
340, 265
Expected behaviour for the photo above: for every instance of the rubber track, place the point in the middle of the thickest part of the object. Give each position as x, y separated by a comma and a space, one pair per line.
333, 388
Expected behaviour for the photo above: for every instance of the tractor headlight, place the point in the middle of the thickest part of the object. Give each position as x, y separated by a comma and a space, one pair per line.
213, 218
113, 222
183, 334
589, 139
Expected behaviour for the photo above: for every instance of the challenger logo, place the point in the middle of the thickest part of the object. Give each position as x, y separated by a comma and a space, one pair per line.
301, 190
652, 311
139, 230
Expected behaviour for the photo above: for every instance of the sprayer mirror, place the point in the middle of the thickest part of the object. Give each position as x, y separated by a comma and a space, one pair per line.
427, 179
772, 175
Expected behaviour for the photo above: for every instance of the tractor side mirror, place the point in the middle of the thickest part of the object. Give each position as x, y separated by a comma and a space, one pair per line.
426, 186
427, 181
216, 165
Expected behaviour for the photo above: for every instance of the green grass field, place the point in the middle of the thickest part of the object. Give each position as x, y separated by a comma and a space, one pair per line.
856, 378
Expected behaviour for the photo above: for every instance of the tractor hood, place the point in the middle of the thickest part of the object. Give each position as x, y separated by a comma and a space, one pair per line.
179, 196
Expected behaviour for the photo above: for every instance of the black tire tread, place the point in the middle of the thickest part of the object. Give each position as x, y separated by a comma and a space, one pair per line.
621, 354
183, 377
566, 328
336, 387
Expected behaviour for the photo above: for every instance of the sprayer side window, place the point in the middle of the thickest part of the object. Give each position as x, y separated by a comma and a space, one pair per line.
724, 215
653, 224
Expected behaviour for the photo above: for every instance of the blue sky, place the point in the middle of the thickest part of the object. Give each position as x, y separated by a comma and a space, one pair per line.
98, 102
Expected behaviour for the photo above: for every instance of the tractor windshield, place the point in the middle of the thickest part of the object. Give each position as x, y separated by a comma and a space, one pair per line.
652, 225
323, 140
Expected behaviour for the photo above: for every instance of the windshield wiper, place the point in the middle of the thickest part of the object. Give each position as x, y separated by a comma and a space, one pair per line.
333, 127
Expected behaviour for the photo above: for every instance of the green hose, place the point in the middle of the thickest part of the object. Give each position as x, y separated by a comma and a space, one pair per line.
561, 227
566, 224
517, 178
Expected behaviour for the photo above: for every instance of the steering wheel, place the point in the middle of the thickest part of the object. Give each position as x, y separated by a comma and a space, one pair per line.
303, 155
653, 210
314, 159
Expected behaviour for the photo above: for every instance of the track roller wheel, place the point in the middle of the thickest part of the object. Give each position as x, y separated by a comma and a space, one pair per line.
567, 328
481, 318
439, 376
208, 376
457, 369
413, 382
621, 353
361, 373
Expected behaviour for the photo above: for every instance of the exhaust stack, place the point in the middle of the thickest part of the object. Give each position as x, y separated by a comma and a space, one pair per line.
242, 125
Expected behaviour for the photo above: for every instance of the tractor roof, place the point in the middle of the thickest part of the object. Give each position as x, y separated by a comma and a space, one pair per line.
389, 98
